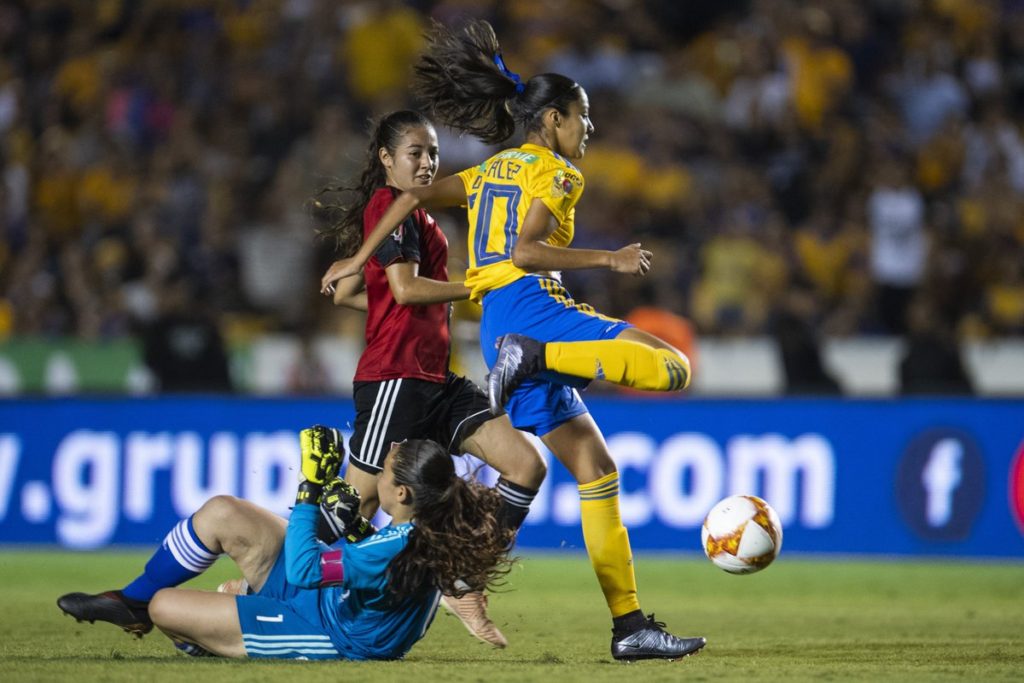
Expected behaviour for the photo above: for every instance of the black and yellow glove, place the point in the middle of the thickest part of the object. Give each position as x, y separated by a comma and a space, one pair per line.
339, 510
322, 453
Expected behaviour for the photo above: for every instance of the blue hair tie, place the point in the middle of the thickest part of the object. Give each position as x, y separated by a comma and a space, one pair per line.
500, 63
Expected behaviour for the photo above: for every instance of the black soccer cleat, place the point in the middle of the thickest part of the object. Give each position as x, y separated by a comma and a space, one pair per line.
111, 607
653, 642
519, 357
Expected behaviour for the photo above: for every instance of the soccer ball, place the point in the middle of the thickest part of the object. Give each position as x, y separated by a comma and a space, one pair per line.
741, 534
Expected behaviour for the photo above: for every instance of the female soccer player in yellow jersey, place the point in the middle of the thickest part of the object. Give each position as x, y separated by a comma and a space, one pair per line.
537, 340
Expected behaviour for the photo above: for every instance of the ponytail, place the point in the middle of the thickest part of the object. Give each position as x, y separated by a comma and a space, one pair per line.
344, 220
464, 82
457, 544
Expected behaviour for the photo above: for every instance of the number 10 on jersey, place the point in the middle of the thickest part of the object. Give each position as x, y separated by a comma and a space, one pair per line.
495, 200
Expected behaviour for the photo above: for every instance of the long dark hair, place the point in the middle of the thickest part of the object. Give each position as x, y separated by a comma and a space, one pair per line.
462, 83
343, 220
457, 544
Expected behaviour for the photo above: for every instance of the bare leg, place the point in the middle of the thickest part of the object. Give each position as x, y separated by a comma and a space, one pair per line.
248, 534
366, 484
507, 450
209, 620
251, 536
579, 445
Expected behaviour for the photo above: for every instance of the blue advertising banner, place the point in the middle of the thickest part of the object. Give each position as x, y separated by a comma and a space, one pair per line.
936, 477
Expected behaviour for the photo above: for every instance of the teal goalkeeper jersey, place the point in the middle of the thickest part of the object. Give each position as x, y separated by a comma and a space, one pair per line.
362, 617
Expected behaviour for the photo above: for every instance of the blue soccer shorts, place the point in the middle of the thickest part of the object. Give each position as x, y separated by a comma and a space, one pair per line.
541, 308
272, 623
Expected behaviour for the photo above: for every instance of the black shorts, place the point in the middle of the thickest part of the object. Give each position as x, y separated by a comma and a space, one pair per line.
398, 409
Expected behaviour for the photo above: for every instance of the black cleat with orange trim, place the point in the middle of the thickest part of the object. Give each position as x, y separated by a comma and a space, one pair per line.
111, 607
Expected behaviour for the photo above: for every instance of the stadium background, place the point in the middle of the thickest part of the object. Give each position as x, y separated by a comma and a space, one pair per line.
833, 191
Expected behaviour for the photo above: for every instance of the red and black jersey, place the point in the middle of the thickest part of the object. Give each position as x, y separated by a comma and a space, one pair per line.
404, 341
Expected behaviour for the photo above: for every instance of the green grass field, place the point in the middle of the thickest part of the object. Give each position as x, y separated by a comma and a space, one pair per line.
798, 620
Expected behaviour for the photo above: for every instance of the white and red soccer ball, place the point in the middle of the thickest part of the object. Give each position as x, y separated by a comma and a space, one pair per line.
741, 534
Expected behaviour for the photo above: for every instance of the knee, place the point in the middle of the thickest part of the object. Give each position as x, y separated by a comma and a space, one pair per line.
526, 467
215, 516
681, 357
597, 465
678, 366
218, 511
535, 469
161, 609
602, 468
685, 361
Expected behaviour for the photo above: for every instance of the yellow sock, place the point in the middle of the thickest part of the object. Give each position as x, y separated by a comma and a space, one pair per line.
629, 363
608, 543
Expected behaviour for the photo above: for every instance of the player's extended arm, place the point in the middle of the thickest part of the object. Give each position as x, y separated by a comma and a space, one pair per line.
444, 193
306, 565
319, 461
351, 293
409, 288
532, 253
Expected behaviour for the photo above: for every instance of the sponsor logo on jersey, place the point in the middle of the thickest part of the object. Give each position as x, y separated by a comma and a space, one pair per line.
562, 184
525, 157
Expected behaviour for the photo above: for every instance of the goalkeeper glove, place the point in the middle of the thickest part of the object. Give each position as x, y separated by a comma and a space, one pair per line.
339, 508
329, 532
321, 457
360, 528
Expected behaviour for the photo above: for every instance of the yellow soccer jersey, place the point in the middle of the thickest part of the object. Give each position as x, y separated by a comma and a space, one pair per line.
500, 192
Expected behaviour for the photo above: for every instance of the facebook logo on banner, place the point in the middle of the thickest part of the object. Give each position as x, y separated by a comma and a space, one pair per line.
940, 485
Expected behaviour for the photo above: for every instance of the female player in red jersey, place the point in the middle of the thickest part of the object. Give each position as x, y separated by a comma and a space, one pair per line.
403, 388
540, 343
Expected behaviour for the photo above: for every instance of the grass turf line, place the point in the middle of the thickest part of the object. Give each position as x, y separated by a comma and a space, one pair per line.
798, 620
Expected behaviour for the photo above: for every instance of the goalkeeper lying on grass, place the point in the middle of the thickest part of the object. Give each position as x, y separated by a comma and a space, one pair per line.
367, 599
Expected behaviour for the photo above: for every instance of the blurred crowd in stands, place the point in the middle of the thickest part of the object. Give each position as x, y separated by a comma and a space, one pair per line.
829, 167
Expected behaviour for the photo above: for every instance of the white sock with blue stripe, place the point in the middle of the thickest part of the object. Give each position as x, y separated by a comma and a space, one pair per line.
181, 557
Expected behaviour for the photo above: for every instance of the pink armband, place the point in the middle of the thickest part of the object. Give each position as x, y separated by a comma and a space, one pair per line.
332, 571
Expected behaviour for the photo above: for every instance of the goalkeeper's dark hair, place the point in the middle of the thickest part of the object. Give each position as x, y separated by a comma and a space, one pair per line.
457, 544
339, 207
461, 80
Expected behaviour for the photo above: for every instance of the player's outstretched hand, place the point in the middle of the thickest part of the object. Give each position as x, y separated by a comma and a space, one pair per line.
320, 461
321, 453
631, 259
340, 269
